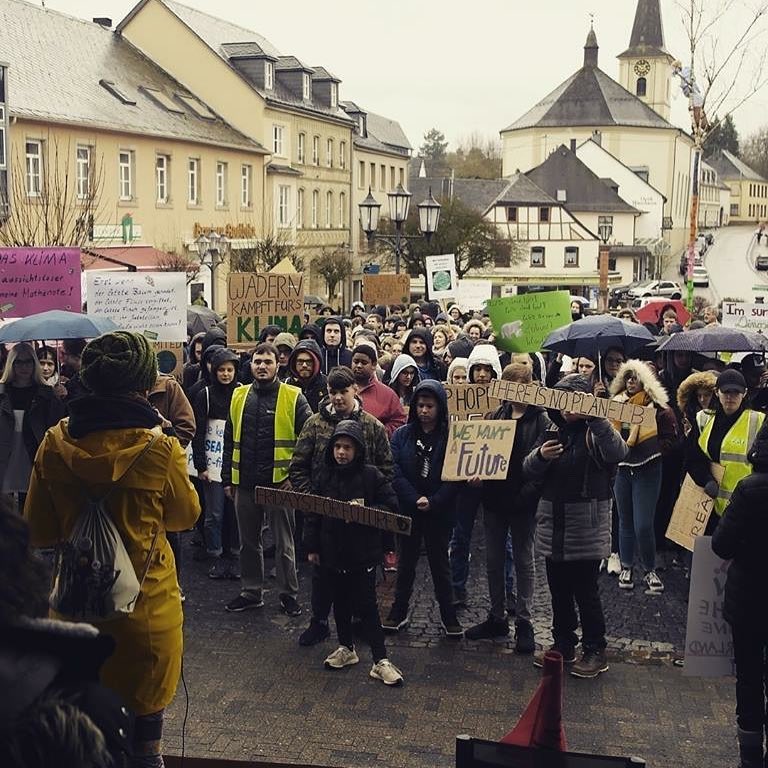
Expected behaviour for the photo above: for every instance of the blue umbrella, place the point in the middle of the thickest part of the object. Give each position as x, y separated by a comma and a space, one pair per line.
595, 334
56, 324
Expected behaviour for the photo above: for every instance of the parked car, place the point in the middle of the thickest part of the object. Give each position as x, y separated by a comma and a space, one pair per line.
619, 294
761, 261
657, 288
701, 277
709, 237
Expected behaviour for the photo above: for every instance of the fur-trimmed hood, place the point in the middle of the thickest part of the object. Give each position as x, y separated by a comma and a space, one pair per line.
686, 392
645, 374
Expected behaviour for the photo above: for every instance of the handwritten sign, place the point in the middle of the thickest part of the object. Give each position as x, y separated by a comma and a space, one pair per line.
692, 511
441, 276
152, 303
473, 294
468, 401
387, 289
341, 510
745, 316
255, 300
708, 639
478, 449
170, 357
35, 280
214, 450
521, 323
575, 402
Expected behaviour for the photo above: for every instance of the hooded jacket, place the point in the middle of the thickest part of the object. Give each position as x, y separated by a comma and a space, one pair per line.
432, 368
484, 354
461, 347
687, 400
191, 370
333, 356
203, 377
457, 362
403, 361
409, 484
346, 546
93, 449
473, 324
311, 331
315, 388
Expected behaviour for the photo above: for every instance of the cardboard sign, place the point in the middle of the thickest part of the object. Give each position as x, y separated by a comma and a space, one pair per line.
255, 300
745, 316
521, 323
170, 357
387, 289
473, 294
575, 402
478, 449
341, 510
469, 401
692, 511
35, 280
152, 303
708, 639
442, 282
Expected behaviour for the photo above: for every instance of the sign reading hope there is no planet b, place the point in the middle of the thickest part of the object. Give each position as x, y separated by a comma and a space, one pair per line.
36, 280
255, 300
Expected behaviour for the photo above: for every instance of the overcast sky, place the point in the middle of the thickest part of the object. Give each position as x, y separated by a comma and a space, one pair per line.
460, 66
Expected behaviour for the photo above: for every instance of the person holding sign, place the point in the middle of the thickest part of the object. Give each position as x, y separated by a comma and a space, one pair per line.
574, 462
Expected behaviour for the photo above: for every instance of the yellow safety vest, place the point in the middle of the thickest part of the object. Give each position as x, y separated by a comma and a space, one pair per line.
733, 451
285, 432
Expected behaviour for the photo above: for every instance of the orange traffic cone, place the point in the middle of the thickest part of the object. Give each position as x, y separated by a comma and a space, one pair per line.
541, 725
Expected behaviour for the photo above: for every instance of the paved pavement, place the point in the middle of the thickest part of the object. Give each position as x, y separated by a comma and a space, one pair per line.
255, 694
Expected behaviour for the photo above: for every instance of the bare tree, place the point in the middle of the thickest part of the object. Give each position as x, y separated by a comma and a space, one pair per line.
334, 266
267, 252
57, 209
172, 261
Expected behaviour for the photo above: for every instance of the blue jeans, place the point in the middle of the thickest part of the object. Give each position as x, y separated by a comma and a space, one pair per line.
214, 514
637, 492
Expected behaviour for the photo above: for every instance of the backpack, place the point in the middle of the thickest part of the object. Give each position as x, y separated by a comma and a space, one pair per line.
93, 577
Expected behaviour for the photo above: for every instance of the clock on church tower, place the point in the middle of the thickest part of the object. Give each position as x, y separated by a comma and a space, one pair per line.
642, 67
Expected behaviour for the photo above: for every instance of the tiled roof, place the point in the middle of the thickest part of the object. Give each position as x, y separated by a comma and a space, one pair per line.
245, 50
647, 31
521, 190
56, 63
384, 134
291, 62
481, 194
728, 166
321, 73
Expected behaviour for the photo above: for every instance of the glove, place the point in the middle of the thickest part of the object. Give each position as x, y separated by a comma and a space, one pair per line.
711, 489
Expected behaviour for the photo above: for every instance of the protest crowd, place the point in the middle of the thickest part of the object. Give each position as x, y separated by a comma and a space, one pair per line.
361, 410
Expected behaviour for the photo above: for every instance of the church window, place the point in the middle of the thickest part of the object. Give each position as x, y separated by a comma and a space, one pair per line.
641, 86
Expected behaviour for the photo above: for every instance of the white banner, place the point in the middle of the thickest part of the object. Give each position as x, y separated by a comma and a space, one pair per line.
746, 316
441, 276
214, 450
474, 293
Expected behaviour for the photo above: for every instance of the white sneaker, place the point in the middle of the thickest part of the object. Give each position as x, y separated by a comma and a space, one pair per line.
653, 584
387, 672
614, 564
342, 657
625, 579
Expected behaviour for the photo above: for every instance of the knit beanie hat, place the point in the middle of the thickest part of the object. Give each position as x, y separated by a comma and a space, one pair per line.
368, 349
119, 362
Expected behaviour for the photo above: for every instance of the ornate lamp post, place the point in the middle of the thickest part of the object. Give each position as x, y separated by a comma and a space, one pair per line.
604, 232
212, 250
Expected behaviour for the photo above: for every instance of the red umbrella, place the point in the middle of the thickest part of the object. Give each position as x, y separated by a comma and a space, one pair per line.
653, 310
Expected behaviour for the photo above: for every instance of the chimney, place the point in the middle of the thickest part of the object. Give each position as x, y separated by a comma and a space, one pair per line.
573, 145
597, 137
103, 21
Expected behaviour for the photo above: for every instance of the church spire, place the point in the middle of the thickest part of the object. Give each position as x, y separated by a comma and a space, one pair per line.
591, 49
647, 37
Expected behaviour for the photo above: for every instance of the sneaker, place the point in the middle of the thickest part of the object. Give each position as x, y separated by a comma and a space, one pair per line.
568, 654
653, 584
614, 564
219, 570
396, 620
459, 597
490, 628
390, 562
590, 665
315, 633
244, 602
451, 623
342, 657
290, 606
524, 640
625, 579
387, 672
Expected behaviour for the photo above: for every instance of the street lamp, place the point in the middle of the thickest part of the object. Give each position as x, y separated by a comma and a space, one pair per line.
399, 203
604, 232
212, 251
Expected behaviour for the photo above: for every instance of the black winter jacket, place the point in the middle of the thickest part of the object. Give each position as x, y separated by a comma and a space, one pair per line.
211, 403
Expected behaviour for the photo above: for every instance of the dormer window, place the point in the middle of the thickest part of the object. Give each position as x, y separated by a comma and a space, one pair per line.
269, 75
334, 95
305, 86
361, 125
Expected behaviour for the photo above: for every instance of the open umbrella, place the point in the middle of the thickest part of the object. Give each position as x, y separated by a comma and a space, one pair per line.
56, 324
200, 319
595, 334
652, 311
715, 338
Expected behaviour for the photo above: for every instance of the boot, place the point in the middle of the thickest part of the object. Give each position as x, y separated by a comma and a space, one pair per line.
750, 749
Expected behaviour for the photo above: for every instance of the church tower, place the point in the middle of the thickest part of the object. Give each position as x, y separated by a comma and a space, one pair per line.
645, 68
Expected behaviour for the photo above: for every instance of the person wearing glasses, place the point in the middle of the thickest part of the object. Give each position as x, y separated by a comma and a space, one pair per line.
28, 407
305, 364
610, 362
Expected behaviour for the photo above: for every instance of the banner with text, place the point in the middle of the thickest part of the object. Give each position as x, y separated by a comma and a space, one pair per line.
478, 449
214, 450
469, 401
152, 303
386, 289
442, 282
255, 300
745, 316
692, 511
341, 510
576, 402
708, 639
36, 280
521, 323
473, 294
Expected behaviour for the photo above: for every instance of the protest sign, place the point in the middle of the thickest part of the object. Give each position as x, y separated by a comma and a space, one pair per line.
170, 357
478, 449
191, 471
442, 282
692, 511
386, 289
745, 316
152, 303
708, 639
255, 300
36, 280
521, 323
575, 402
341, 510
468, 401
473, 294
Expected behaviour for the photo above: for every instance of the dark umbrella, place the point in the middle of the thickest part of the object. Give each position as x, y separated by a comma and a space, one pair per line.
56, 324
715, 338
200, 319
595, 334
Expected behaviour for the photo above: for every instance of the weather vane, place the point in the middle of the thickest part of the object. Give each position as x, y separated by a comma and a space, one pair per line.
591, 19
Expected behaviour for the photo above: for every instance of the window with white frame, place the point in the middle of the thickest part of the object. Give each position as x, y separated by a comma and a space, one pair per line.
343, 155
283, 206
315, 150
328, 210
300, 209
301, 147
334, 95
315, 208
329, 153
193, 181
342, 210
83, 176
246, 186
278, 144
269, 75
537, 256
125, 174
571, 256
163, 179
306, 86
221, 184
34, 167
361, 174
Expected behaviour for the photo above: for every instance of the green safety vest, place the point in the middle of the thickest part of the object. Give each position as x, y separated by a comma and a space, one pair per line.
733, 451
285, 433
